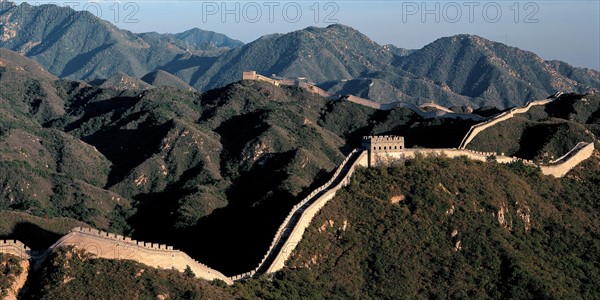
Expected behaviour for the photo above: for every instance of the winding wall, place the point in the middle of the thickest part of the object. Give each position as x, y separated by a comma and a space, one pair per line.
477, 128
441, 112
559, 168
291, 231
307, 214
563, 165
293, 226
113, 246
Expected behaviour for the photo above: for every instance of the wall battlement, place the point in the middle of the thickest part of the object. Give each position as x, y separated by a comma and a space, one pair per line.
252, 75
113, 246
477, 128
16, 248
120, 238
383, 138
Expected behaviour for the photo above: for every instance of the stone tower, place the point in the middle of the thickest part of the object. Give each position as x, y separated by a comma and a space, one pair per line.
380, 146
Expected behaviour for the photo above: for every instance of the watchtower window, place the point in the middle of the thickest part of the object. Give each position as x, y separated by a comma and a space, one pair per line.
374, 148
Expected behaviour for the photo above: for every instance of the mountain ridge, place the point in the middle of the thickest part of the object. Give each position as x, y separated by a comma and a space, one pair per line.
461, 70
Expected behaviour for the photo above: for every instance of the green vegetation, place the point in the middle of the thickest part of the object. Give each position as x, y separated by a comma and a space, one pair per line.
521, 235
433, 228
10, 270
71, 274
546, 132
36, 232
164, 164
461, 70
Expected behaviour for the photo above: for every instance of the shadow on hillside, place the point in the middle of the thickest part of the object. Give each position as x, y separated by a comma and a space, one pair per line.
533, 140
33, 236
563, 107
232, 239
128, 148
448, 134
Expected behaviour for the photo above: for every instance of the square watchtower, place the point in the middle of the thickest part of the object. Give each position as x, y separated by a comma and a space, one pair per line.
381, 146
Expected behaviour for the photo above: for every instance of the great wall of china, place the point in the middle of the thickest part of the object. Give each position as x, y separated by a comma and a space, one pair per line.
113, 246
441, 112
379, 150
477, 128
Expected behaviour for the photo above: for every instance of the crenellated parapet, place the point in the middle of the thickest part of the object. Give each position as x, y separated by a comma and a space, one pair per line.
382, 145
113, 246
122, 239
16, 248
477, 128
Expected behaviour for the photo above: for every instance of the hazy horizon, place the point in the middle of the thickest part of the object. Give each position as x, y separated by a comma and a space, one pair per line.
556, 30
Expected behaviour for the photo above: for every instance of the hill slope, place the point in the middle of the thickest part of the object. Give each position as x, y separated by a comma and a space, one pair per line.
434, 228
489, 71
162, 78
78, 45
546, 132
462, 70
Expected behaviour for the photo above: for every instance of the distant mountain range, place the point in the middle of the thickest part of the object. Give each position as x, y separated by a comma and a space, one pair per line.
463, 70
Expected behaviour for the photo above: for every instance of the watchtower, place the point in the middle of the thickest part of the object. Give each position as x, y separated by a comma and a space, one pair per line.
382, 146
250, 75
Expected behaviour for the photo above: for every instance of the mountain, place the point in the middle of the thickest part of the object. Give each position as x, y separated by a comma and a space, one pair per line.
163, 163
490, 72
226, 166
433, 228
585, 76
320, 54
462, 70
47, 171
160, 78
78, 45
199, 39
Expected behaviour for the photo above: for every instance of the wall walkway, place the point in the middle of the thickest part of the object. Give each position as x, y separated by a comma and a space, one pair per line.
112, 246
291, 230
563, 165
477, 128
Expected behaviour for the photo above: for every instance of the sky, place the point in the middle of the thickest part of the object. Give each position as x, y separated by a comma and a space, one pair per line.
563, 30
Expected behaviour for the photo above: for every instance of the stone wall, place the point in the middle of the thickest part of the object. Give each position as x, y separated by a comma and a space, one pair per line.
440, 113
289, 225
477, 128
112, 246
252, 75
563, 165
309, 213
15, 248
391, 157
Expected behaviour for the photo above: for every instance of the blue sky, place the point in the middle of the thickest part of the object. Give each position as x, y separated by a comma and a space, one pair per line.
563, 30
